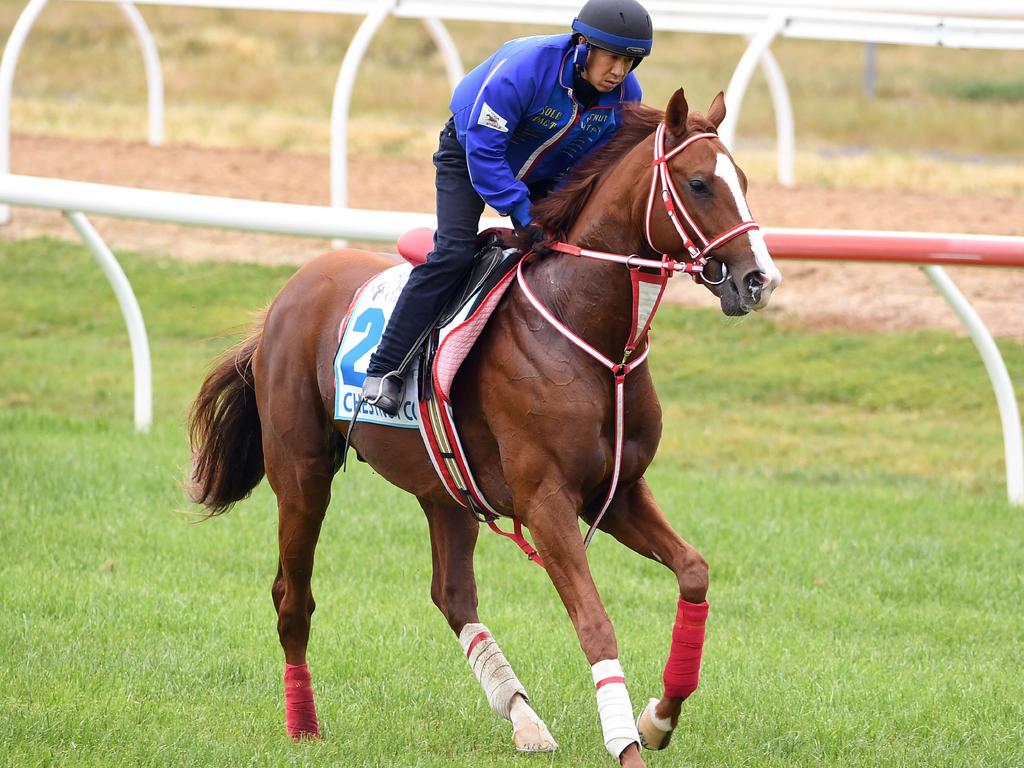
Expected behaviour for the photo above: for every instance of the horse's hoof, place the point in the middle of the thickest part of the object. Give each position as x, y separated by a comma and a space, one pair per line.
652, 735
534, 737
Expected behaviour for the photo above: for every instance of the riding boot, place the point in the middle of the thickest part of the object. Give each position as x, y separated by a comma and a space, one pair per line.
385, 392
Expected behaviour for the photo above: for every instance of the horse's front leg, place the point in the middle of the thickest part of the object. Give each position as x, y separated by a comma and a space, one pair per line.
636, 520
550, 510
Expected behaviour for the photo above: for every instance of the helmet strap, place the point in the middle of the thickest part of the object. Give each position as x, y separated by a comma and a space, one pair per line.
580, 40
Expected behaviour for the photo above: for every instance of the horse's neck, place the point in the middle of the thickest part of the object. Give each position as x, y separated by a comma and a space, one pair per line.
592, 298
613, 218
595, 298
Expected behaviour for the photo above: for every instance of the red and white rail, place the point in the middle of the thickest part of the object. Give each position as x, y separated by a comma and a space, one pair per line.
931, 251
895, 247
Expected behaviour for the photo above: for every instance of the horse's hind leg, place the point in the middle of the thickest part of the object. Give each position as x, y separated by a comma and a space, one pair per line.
299, 468
635, 519
453, 535
303, 492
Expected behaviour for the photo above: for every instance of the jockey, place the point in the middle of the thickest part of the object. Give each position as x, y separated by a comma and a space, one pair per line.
519, 121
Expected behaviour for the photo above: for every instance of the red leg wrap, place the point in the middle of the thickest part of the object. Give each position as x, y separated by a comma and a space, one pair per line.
299, 708
682, 670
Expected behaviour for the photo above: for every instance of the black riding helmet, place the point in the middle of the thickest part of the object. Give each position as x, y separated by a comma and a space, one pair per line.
622, 27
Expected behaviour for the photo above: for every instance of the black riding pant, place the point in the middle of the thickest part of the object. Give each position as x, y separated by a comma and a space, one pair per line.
432, 283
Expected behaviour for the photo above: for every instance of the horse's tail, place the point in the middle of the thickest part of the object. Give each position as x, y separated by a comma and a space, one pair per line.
224, 431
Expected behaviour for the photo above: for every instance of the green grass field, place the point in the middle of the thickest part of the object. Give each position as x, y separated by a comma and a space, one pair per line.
847, 490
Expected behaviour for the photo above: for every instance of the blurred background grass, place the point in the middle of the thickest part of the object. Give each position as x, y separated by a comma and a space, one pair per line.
941, 119
848, 488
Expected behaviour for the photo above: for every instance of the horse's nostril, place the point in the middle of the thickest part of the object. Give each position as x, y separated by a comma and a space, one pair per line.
756, 279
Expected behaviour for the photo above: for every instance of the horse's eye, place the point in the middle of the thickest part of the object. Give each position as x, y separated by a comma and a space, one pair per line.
698, 187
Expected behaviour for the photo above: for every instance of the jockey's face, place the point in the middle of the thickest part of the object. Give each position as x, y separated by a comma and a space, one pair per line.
605, 70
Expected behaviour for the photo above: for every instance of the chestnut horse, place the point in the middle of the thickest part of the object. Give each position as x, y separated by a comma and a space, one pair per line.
536, 413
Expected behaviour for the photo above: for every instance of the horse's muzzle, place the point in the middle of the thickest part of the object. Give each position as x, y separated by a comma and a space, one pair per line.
740, 296
756, 289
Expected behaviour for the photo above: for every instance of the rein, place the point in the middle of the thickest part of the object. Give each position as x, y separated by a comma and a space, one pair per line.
648, 289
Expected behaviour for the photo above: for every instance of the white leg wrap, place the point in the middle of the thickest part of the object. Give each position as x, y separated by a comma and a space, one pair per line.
491, 668
614, 707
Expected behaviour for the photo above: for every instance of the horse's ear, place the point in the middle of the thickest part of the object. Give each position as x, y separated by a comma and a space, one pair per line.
716, 112
676, 114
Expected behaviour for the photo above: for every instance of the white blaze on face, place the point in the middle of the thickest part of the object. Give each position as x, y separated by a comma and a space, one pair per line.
725, 169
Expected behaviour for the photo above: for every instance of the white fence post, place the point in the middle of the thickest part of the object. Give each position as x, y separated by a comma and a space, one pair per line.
8, 63
785, 131
997, 373
141, 365
343, 99
758, 51
449, 51
154, 73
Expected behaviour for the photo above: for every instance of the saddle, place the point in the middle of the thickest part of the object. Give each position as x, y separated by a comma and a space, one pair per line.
426, 401
497, 254
435, 360
446, 348
444, 351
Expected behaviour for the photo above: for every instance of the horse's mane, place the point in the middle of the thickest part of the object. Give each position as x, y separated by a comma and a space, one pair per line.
557, 212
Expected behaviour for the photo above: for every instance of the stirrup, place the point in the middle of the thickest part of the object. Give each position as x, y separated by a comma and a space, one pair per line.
385, 392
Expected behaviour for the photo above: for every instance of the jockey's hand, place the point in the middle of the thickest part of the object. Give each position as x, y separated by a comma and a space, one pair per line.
534, 239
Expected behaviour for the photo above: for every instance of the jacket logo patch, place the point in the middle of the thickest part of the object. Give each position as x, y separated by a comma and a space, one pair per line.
491, 119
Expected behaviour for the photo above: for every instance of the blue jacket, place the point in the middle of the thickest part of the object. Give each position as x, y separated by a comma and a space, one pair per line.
516, 117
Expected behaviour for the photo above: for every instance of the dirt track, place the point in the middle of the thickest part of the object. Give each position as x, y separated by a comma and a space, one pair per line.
818, 295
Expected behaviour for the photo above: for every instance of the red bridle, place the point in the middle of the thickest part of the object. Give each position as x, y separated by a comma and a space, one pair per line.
674, 206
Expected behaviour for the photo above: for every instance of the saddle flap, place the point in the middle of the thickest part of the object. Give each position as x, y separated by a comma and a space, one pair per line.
491, 262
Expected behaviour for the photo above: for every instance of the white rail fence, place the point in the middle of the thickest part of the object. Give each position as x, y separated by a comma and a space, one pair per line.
76, 199
760, 21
